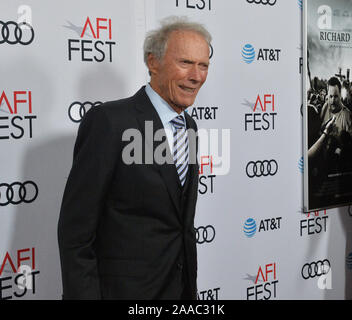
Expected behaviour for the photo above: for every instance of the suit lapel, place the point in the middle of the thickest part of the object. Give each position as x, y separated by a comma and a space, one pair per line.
147, 112
193, 166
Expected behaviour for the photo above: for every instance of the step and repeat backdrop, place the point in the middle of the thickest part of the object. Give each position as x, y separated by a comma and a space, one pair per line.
59, 59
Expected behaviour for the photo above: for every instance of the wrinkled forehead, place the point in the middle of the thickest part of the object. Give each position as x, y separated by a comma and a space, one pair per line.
188, 42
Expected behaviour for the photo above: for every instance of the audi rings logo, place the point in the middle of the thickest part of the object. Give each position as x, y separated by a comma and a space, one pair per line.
205, 234
349, 261
349, 210
315, 269
211, 51
13, 33
77, 110
269, 2
261, 168
17, 192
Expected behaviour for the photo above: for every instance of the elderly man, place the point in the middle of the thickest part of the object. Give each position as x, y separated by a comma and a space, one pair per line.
126, 230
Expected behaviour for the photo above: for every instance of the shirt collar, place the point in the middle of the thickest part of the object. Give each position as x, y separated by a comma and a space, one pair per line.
165, 112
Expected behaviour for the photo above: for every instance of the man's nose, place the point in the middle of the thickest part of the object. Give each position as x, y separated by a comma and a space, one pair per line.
195, 74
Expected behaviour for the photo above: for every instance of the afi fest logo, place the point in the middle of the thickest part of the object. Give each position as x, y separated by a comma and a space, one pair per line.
265, 283
263, 115
16, 114
18, 274
206, 174
194, 4
314, 223
95, 40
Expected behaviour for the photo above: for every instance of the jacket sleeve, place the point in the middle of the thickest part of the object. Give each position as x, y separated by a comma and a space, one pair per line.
95, 154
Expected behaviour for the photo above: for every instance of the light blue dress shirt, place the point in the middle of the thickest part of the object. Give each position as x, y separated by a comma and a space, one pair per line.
165, 112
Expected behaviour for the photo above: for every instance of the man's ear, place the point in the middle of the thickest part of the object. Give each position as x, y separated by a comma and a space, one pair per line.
153, 64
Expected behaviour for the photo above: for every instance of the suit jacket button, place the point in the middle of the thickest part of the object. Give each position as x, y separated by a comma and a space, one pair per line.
180, 266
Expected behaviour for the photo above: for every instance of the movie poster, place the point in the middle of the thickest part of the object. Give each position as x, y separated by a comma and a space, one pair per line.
327, 103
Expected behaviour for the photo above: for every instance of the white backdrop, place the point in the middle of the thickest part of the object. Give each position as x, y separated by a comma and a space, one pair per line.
255, 95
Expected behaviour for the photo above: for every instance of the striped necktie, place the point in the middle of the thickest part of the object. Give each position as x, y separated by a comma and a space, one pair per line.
180, 147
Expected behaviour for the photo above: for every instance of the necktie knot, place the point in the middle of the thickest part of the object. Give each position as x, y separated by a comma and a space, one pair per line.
178, 122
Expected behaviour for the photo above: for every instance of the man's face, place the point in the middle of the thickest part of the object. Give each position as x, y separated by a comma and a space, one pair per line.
334, 98
178, 76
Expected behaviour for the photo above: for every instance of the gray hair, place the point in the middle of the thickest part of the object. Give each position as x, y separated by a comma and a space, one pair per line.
156, 40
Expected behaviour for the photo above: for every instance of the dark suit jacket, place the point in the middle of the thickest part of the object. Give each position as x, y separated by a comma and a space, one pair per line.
125, 231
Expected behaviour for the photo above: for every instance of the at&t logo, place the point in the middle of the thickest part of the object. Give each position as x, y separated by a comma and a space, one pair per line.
203, 113
248, 53
270, 224
250, 228
209, 294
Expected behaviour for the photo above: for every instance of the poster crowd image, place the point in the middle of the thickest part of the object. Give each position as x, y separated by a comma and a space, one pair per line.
327, 104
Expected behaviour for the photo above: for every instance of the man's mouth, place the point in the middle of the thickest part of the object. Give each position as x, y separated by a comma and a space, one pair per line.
188, 89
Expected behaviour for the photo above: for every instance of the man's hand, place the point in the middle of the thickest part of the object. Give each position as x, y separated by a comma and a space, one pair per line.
329, 125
